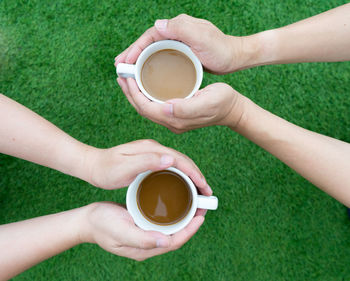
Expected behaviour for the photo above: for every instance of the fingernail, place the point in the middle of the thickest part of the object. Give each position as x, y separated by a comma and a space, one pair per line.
117, 57
166, 160
169, 109
161, 24
162, 243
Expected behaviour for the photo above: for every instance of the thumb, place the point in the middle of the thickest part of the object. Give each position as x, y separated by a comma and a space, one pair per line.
205, 103
142, 162
188, 108
179, 28
138, 238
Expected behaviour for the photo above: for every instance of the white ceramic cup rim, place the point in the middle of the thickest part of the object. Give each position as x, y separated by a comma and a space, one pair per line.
162, 45
142, 222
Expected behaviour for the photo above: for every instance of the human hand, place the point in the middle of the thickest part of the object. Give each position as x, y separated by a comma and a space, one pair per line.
118, 166
111, 227
219, 53
216, 104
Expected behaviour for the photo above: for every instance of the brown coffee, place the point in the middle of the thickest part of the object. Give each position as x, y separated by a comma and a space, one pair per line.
164, 197
168, 74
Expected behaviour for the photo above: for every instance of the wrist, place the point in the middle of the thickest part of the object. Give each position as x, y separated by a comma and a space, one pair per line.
84, 234
71, 157
237, 111
247, 125
268, 47
89, 157
255, 50
245, 52
74, 223
83, 161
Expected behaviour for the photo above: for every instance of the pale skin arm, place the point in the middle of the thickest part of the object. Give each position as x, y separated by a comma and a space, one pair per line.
26, 243
27, 135
324, 37
322, 160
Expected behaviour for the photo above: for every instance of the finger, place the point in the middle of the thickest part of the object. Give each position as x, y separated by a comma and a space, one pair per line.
176, 241
146, 107
140, 99
182, 28
135, 237
189, 109
201, 212
139, 254
181, 161
151, 35
125, 88
149, 109
181, 237
122, 56
123, 85
193, 172
142, 162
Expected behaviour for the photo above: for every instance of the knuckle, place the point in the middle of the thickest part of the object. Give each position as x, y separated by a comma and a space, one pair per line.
179, 126
143, 107
141, 110
147, 244
176, 246
149, 31
182, 16
172, 122
212, 110
153, 161
148, 142
179, 21
175, 131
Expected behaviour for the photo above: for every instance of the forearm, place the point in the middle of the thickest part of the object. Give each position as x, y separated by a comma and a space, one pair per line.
26, 135
26, 243
322, 160
321, 38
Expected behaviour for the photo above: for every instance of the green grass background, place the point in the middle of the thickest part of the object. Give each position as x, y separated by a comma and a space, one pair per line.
57, 57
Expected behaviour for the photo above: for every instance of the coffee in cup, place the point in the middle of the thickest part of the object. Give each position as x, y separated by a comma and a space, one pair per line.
168, 74
165, 70
165, 201
164, 197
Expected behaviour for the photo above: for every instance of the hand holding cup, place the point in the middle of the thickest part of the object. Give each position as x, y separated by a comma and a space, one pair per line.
217, 104
219, 53
111, 227
118, 166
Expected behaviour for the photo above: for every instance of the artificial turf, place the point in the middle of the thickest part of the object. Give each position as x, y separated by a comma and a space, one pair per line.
56, 57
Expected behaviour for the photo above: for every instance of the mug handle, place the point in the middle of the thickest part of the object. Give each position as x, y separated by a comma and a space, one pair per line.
125, 70
207, 202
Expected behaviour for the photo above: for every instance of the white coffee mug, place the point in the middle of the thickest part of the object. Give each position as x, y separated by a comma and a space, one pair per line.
198, 201
134, 70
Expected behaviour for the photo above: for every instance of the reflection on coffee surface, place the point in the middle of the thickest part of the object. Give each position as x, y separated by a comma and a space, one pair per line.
168, 74
164, 197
